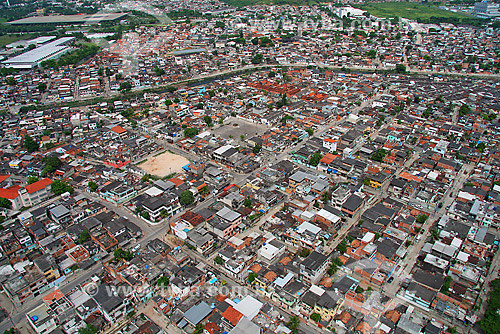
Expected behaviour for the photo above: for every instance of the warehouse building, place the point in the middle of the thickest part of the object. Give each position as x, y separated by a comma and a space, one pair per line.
34, 57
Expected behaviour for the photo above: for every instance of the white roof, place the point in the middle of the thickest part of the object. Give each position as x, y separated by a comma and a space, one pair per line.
462, 256
42, 52
222, 149
466, 195
368, 237
328, 216
306, 226
316, 290
249, 307
153, 192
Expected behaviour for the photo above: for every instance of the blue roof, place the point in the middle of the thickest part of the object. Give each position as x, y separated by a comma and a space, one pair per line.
197, 313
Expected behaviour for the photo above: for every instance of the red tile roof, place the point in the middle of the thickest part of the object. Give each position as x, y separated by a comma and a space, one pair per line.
38, 185
232, 315
3, 178
118, 129
10, 192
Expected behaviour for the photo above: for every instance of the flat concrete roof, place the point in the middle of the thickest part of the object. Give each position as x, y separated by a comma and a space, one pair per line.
69, 19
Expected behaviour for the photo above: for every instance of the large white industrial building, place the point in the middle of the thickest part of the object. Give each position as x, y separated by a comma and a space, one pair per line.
34, 57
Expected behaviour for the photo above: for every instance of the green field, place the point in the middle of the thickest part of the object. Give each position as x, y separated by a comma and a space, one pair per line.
7, 39
409, 10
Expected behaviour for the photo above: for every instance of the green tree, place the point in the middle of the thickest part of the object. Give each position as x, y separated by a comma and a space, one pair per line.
42, 86
83, 237
379, 155
256, 149
163, 281
187, 197
190, 132
342, 247
58, 187
218, 260
422, 218
316, 317
304, 252
5, 203
125, 86
208, 120
293, 324
247, 202
92, 186
32, 179
314, 159
400, 68
310, 131
120, 254
464, 110
30, 144
89, 329
251, 277
52, 163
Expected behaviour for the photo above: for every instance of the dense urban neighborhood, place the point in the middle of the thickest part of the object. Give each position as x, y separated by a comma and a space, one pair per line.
244, 168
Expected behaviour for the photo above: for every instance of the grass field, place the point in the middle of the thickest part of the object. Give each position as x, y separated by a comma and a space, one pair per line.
409, 10
7, 39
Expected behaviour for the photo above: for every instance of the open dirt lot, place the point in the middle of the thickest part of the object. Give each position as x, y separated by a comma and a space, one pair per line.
236, 127
164, 164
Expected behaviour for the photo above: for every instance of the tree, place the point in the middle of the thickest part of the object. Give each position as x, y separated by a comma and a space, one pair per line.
316, 317
314, 159
58, 187
304, 252
92, 186
247, 202
159, 71
309, 131
190, 132
89, 329
125, 86
11, 330
342, 247
120, 254
83, 237
293, 324
257, 59
199, 329
163, 281
5, 203
251, 277
379, 155
51, 165
32, 179
271, 74
371, 54
256, 149
218, 260
326, 196
422, 218
464, 110
187, 197
208, 120
11, 81
42, 86
481, 147
400, 68
30, 144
